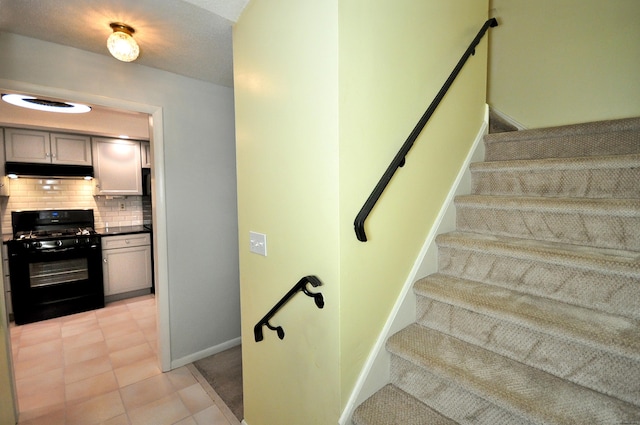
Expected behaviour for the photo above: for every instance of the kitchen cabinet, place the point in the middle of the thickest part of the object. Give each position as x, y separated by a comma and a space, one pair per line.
126, 263
23, 145
116, 166
4, 180
145, 152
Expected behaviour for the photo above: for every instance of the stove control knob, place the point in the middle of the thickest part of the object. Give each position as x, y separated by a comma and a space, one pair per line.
58, 242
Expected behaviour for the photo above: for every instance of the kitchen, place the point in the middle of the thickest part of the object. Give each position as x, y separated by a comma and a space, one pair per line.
55, 278
47, 163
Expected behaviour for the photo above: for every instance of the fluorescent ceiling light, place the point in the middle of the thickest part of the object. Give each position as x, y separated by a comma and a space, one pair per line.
44, 104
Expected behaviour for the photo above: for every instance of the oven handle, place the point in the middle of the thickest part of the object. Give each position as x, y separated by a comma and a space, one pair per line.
70, 248
56, 250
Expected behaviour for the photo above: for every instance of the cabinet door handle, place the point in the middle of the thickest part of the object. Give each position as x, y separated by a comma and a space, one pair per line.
126, 241
104, 260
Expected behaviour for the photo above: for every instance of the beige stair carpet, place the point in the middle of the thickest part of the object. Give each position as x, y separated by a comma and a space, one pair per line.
534, 314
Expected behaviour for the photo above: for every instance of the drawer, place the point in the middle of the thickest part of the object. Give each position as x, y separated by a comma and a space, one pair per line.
125, 241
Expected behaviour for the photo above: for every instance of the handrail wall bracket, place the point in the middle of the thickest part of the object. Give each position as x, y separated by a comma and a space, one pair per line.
298, 287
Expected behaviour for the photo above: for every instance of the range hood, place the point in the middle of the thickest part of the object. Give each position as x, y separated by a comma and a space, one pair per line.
28, 169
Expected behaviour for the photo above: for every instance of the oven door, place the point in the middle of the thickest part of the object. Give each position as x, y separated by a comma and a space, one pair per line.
55, 282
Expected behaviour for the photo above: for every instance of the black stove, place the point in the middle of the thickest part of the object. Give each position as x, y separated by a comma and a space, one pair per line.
55, 264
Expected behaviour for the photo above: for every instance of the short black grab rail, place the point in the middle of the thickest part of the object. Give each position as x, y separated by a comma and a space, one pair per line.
300, 286
399, 159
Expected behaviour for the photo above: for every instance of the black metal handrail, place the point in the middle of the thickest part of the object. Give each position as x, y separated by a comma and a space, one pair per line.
300, 286
399, 159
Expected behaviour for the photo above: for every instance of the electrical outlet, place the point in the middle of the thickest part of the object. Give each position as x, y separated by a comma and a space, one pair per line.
258, 243
122, 208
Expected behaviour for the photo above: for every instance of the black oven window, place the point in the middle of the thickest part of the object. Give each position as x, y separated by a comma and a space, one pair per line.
56, 272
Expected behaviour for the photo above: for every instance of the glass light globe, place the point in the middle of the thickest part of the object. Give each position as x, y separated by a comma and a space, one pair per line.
122, 46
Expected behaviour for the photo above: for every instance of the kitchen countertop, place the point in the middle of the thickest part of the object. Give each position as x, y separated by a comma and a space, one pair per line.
122, 230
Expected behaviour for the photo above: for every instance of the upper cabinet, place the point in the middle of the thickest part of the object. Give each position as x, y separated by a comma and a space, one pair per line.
22, 145
145, 151
116, 165
73, 149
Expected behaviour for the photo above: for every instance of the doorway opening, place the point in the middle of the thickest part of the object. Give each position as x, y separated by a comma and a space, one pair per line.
154, 115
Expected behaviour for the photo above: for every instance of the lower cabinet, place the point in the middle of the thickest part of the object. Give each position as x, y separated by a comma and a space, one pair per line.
6, 282
126, 263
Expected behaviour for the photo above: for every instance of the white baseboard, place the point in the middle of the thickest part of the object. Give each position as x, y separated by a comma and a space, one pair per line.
508, 119
244, 422
375, 372
205, 353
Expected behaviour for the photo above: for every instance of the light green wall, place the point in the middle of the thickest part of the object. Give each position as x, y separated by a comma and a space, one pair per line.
285, 72
562, 62
326, 93
394, 57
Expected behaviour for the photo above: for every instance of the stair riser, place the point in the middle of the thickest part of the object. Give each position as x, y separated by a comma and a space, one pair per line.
601, 290
601, 371
580, 228
620, 143
447, 398
586, 183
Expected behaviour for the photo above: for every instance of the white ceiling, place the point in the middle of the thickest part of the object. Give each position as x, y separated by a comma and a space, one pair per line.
186, 37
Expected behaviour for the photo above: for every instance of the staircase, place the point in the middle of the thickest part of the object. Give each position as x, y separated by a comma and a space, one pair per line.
534, 314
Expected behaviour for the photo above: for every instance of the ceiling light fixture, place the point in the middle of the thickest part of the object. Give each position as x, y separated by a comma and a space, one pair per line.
45, 104
121, 44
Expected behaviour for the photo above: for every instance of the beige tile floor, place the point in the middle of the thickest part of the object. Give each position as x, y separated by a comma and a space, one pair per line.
101, 367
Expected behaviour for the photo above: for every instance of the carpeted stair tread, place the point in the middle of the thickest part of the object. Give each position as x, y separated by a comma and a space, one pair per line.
603, 279
601, 207
610, 162
584, 177
520, 389
391, 405
617, 260
450, 399
615, 137
606, 223
625, 125
615, 334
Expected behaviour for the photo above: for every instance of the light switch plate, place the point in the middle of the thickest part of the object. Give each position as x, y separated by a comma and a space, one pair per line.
258, 243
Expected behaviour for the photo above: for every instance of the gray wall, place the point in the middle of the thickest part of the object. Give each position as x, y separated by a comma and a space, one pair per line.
199, 177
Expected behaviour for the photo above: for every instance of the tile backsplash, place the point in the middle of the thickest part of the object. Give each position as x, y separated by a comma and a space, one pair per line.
40, 194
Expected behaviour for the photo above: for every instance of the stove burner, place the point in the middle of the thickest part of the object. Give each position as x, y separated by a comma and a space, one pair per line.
41, 234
